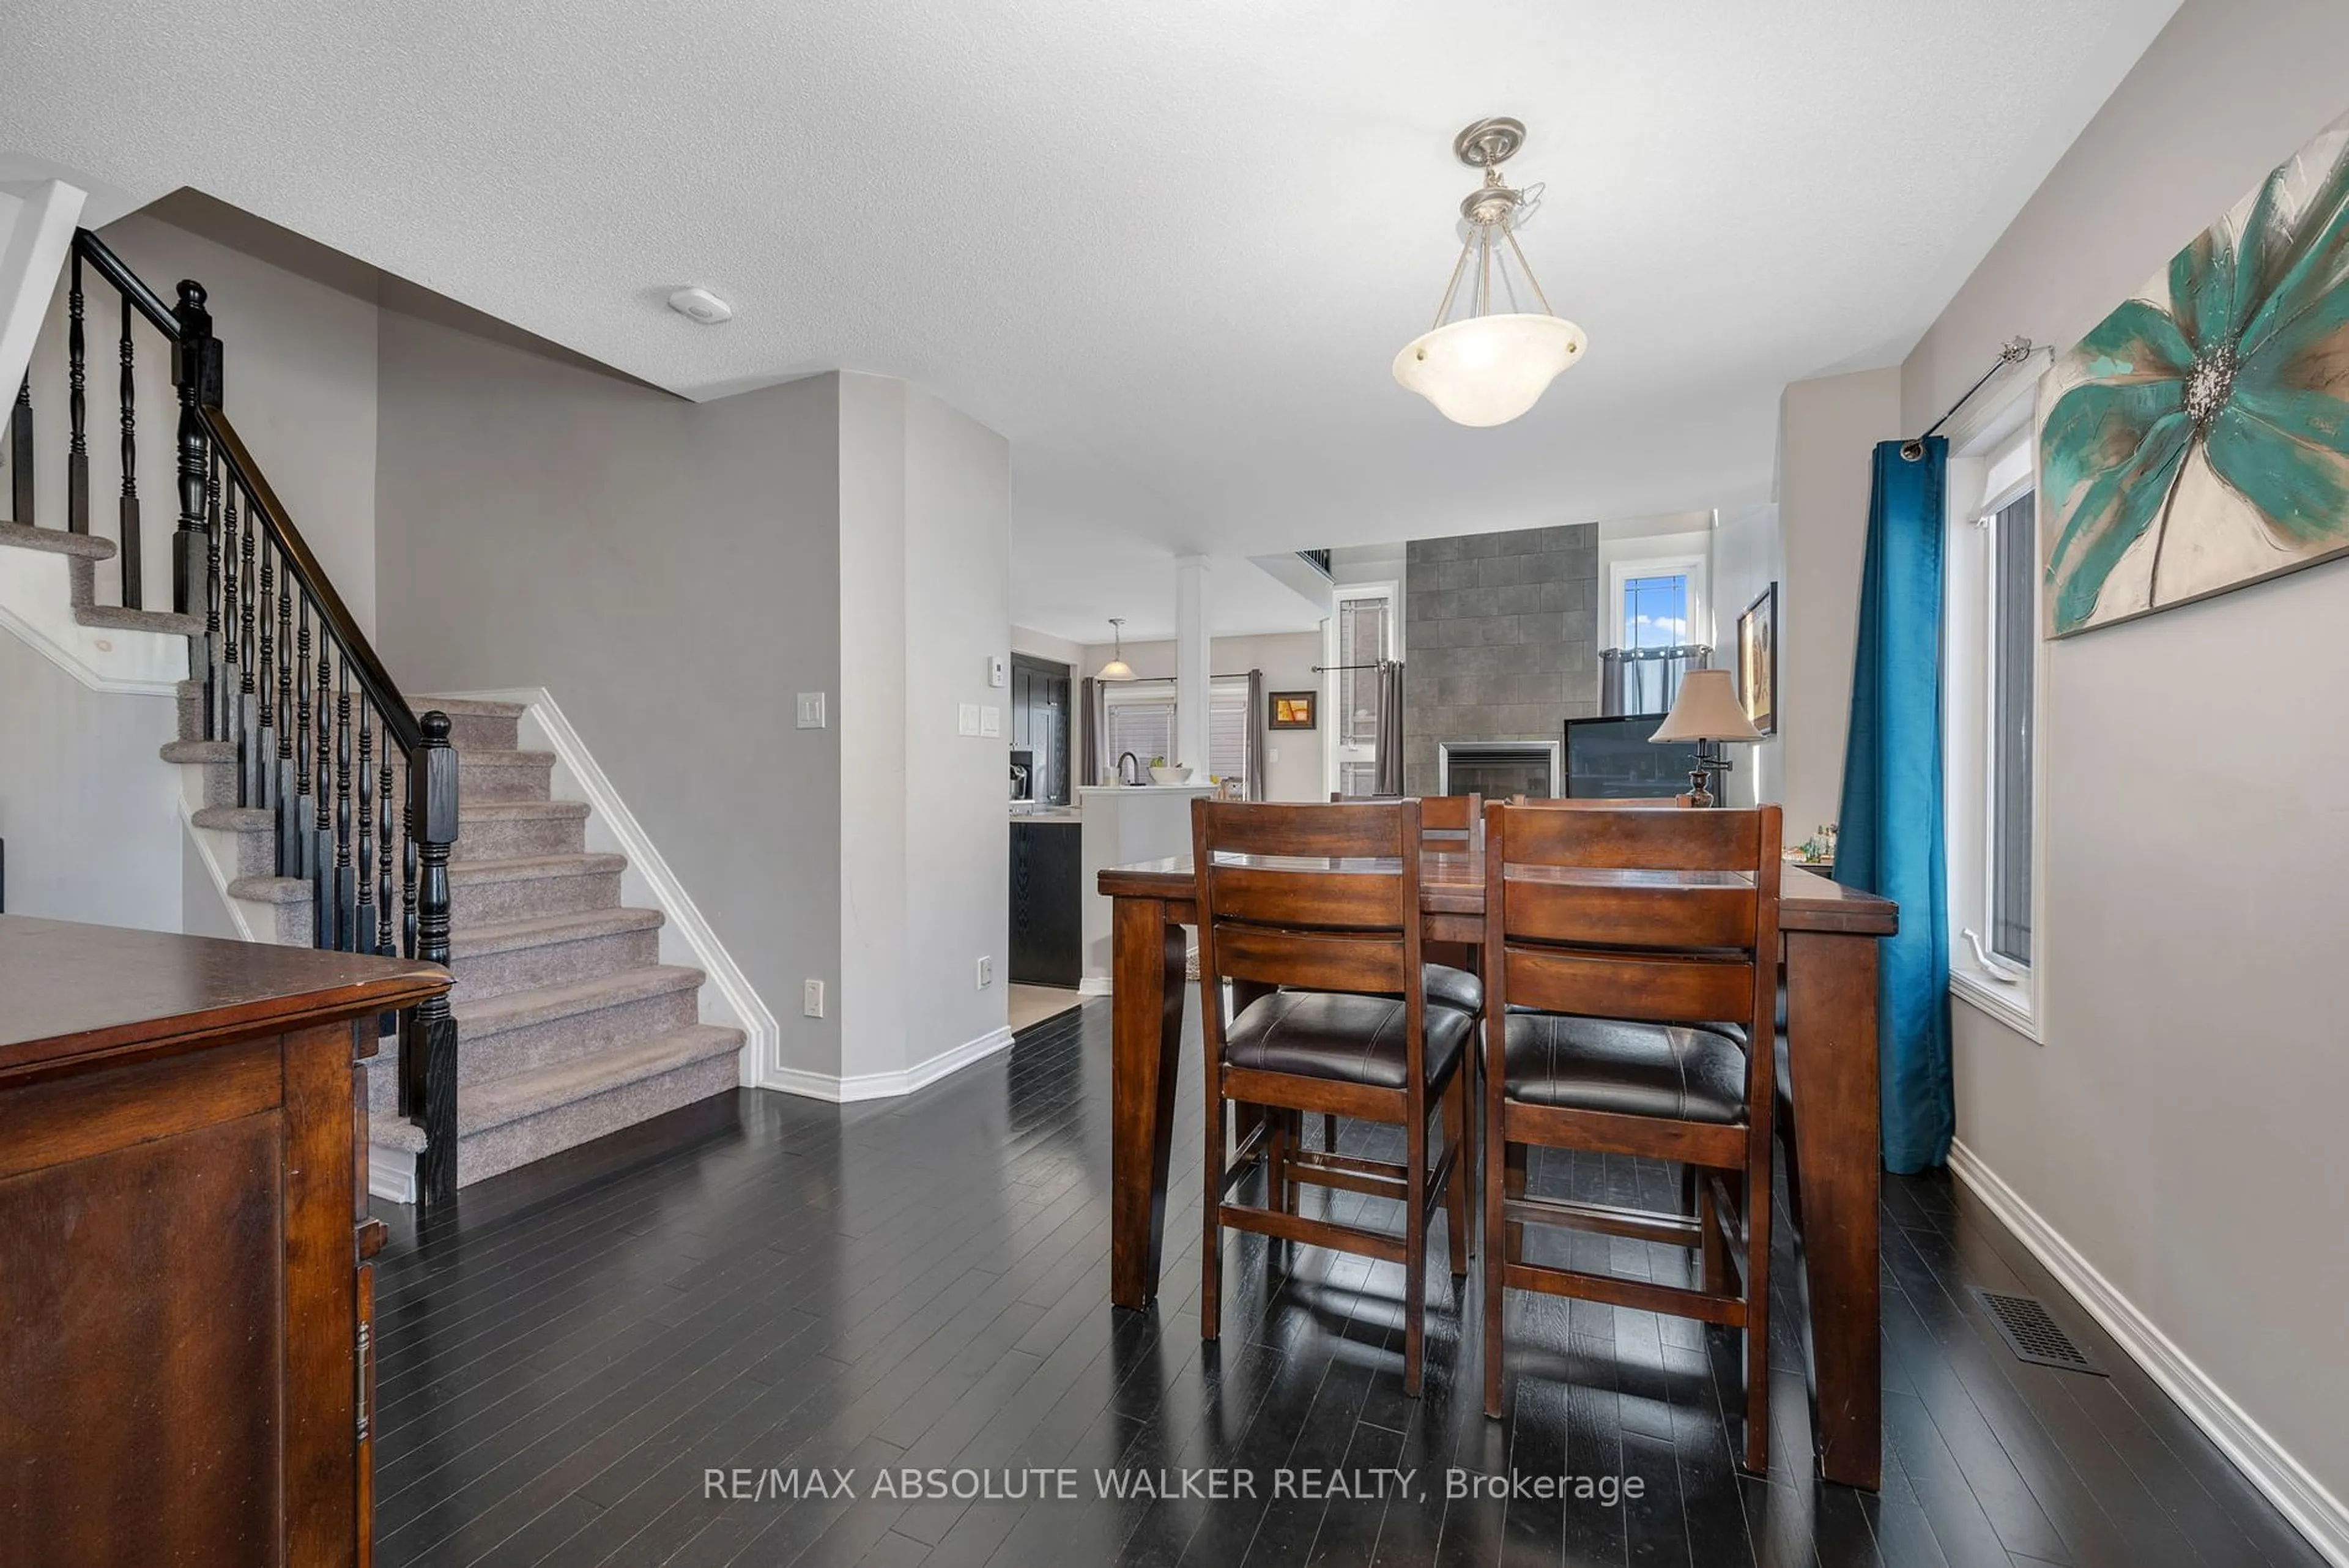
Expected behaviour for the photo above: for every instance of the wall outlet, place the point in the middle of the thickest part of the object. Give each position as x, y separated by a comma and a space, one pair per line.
986, 973
967, 720
811, 709
990, 720
812, 998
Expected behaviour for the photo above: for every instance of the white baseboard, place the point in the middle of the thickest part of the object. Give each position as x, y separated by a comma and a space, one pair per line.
727, 997
391, 1174
1093, 985
888, 1085
2314, 1510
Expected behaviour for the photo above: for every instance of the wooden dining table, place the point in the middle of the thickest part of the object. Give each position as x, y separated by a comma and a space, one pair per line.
1830, 933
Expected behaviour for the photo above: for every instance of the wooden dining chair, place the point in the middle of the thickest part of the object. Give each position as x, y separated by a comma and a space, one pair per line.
1629, 931
1313, 912
1439, 815
1602, 803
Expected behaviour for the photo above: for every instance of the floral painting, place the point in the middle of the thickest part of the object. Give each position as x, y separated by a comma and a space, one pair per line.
2198, 438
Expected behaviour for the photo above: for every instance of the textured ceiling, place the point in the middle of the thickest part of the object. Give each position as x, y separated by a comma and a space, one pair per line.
1168, 250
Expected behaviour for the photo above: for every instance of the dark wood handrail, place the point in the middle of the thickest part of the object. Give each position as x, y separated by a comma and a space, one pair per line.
358, 656
111, 267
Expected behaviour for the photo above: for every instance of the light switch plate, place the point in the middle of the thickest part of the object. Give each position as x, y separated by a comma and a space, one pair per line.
967, 720
812, 998
990, 720
811, 709
986, 973
999, 669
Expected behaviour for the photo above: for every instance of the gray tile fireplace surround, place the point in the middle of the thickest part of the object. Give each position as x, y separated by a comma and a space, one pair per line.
1500, 639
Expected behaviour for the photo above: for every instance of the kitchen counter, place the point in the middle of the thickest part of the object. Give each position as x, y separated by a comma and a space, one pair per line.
1066, 814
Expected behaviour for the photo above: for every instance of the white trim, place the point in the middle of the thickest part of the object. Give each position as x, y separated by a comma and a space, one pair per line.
202, 839
391, 1174
1094, 985
109, 659
2314, 1511
727, 995
1700, 593
2004, 1003
888, 1085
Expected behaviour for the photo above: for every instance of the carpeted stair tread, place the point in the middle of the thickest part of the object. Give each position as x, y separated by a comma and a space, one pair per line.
114, 618
452, 706
519, 1009
200, 751
486, 810
56, 542
502, 757
236, 818
476, 941
271, 889
532, 868
504, 1100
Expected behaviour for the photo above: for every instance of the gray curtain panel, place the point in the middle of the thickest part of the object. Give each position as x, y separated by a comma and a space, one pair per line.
1388, 758
1095, 700
1647, 681
1256, 720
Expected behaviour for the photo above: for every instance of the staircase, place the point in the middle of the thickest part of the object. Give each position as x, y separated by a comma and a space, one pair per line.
563, 1023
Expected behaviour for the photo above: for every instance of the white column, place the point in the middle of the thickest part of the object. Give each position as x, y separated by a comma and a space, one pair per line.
1191, 669
37, 227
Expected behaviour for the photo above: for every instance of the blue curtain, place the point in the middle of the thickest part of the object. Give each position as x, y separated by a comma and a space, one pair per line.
1889, 836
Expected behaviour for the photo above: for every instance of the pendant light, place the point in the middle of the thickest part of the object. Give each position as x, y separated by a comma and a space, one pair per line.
1117, 669
1490, 365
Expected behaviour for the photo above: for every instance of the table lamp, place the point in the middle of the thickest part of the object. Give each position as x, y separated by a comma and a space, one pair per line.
1708, 712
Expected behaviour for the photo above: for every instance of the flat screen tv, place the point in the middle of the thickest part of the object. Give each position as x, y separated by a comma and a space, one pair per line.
1614, 757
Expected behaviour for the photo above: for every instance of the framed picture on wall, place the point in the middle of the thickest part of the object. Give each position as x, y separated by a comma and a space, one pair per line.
1757, 660
1291, 709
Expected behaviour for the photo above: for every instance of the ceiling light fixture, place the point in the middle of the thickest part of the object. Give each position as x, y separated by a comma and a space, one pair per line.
1117, 669
1490, 366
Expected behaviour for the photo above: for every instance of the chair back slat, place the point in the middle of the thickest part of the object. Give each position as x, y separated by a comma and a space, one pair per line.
1633, 908
1438, 814
1638, 839
1357, 896
1655, 988
1602, 803
1352, 830
1310, 960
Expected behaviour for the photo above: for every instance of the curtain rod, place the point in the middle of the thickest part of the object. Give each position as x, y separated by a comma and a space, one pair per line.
2014, 352
1380, 664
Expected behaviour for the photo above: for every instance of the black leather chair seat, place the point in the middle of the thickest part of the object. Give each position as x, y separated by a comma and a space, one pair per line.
1627, 1068
1350, 1039
1442, 986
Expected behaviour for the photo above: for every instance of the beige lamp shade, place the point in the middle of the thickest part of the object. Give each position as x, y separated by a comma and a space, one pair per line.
1707, 709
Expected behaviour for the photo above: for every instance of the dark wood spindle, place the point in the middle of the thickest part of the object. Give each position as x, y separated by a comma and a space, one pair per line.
249, 737
265, 747
322, 779
293, 826
363, 859
77, 408
408, 868
345, 873
383, 853
220, 528
20, 455
134, 587
428, 1055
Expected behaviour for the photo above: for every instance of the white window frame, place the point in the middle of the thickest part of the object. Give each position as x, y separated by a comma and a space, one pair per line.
1992, 468
1225, 689
1334, 755
1692, 567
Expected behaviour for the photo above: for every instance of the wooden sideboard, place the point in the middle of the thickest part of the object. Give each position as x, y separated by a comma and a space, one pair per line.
184, 1300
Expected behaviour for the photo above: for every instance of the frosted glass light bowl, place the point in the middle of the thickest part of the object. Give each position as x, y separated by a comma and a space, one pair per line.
1488, 369
1177, 773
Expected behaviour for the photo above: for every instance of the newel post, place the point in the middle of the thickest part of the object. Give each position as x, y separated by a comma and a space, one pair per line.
427, 1055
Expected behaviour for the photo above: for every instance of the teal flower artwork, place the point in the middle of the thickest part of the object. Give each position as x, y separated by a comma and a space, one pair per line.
2198, 438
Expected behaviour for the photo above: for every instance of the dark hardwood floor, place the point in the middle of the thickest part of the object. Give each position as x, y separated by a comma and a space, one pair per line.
769, 1288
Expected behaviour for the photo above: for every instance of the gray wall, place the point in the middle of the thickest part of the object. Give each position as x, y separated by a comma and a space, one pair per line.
1500, 639
2181, 1126
670, 572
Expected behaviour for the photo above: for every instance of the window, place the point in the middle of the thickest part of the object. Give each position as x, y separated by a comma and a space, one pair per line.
1361, 632
1990, 682
1657, 603
1139, 717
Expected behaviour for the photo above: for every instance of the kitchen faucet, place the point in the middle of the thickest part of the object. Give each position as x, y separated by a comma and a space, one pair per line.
1123, 758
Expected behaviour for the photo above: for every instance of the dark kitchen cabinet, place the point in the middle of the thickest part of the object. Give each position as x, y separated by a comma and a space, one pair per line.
1047, 906
1042, 723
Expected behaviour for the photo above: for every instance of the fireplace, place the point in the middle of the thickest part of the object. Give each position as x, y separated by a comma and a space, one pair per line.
1497, 769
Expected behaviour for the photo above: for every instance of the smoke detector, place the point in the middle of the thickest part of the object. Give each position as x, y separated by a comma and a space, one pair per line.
700, 305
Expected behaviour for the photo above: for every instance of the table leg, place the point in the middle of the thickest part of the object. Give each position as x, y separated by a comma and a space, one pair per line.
1831, 1047
1146, 958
